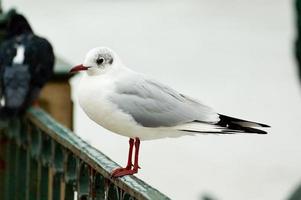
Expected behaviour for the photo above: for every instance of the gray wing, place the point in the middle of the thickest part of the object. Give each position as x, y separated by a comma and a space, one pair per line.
16, 85
152, 104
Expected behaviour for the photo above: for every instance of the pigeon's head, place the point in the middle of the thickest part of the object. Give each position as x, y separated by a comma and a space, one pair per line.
97, 61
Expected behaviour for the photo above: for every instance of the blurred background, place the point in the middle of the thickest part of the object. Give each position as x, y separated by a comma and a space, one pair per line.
235, 55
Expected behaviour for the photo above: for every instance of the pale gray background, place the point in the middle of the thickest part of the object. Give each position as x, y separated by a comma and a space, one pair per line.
235, 55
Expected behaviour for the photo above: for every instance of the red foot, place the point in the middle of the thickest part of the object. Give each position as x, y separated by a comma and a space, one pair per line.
119, 172
128, 169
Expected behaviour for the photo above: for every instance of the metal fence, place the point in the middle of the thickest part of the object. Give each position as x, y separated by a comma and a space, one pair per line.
40, 159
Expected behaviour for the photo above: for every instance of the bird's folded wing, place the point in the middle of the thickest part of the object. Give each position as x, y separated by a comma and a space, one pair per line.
153, 104
16, 85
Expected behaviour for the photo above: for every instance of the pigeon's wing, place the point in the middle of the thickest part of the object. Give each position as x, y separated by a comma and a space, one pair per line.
7, 53
40, 58
153, 104
16, 81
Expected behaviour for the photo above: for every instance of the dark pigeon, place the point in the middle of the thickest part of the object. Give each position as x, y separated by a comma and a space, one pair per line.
26, 64
13, 24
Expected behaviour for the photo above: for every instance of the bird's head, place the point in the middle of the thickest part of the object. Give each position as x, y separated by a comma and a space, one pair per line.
97, 61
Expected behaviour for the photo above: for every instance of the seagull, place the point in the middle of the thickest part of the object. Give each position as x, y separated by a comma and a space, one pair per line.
133, 105
26, 64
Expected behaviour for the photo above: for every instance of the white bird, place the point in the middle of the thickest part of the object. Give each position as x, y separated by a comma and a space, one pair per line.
130, 104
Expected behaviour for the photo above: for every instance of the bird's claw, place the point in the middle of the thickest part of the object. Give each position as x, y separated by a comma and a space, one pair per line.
115, 171
119, 172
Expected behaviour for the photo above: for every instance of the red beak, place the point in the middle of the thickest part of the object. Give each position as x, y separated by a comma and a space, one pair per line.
78, 68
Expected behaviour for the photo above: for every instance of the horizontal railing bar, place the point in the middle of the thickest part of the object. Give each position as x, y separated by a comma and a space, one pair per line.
91, 156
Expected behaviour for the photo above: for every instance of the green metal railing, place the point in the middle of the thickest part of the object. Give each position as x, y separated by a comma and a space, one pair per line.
40, 159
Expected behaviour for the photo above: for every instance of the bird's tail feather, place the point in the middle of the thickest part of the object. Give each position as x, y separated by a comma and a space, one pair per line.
226, 125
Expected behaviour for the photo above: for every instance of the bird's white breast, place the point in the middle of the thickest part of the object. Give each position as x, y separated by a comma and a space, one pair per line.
93, 95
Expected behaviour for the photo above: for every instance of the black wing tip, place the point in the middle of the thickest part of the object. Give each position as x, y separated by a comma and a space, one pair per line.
255, 131
225, 118
265, 125
241, 125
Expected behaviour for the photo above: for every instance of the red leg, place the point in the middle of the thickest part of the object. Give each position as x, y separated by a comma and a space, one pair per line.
137, 145
130, 171
129, 164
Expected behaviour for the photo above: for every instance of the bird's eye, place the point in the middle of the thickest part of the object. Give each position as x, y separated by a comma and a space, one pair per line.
99, 61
